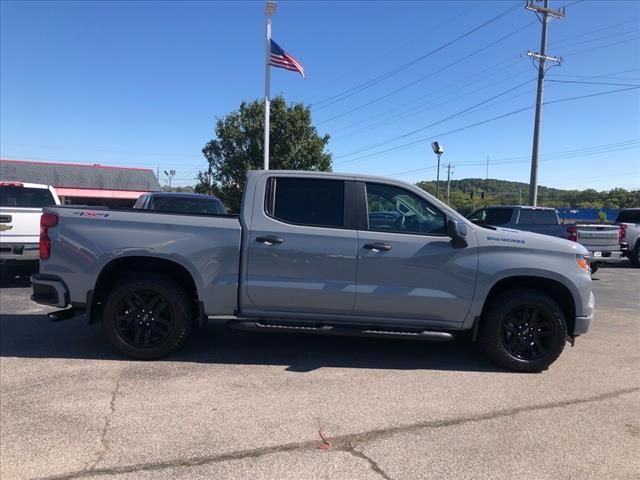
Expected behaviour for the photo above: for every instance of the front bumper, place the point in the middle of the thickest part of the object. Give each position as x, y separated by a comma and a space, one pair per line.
19, 251
49, 290
583, 322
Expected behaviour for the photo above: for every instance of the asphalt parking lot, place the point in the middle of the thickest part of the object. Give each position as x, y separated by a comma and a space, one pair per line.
246, 405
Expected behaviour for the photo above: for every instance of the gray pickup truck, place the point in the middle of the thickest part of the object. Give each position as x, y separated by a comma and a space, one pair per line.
602, 241
317, 252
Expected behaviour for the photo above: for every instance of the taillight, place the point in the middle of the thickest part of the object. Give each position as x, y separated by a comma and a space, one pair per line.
622, 233
47, 220
573, 233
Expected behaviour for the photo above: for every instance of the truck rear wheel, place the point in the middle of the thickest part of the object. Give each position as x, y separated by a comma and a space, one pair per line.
147, 317
524, 330
634, 255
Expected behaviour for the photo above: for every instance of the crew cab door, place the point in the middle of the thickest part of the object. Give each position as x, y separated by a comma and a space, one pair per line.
301, 248
408, 267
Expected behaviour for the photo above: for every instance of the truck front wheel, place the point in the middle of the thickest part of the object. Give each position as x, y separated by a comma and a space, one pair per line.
147, 317
524, 330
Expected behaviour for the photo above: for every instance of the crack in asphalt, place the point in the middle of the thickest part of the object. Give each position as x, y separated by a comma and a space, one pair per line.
372, 463
104, 443
341, 443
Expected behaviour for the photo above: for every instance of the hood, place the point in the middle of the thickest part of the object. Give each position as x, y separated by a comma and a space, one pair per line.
537, 241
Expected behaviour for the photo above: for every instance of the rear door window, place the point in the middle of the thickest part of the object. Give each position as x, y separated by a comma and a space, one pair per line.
25, 197
305, 201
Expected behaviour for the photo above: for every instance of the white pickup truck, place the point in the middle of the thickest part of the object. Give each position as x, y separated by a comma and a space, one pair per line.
20, 210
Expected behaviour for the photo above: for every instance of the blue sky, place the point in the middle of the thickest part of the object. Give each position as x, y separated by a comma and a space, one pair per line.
142, 83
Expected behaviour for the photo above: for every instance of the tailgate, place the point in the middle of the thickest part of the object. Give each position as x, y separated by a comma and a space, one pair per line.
602, 237
20, 225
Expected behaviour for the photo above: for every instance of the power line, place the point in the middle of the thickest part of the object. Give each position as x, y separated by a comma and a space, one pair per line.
437, 122
581, 152
604, 75
419, 105
597, 39
489, 120
363, 86
421, 79
378, 57
593, 49
595, 83
591, 32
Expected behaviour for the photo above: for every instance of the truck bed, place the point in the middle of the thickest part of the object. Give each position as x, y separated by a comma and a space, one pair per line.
207, 246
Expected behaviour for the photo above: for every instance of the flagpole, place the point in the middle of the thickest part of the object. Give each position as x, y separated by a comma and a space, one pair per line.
270, 10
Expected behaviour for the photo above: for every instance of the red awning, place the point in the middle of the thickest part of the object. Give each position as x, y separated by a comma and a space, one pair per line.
91, 193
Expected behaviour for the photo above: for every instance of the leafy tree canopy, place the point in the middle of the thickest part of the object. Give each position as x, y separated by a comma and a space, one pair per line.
504, 192
239, 145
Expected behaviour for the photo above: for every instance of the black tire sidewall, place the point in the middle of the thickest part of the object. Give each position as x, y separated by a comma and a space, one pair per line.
178, 302
635, 255
491, 329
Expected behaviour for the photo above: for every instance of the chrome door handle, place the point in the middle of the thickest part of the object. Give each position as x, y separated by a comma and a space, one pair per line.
270, 240
377, 247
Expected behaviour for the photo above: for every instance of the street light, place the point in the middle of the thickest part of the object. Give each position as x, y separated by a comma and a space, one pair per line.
170, 174
270, 8
438, 150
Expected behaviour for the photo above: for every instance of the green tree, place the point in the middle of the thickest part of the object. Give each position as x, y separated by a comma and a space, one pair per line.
239, 145
602, 216
186, 189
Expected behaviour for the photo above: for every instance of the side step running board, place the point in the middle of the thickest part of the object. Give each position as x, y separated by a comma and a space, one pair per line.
341, 330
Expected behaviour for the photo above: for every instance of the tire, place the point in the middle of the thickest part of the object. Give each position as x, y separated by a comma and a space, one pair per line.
506, 335
147, 317
594, 268
634, 255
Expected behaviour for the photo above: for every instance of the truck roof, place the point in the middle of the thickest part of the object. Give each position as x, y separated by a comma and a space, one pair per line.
15, 183
519, 207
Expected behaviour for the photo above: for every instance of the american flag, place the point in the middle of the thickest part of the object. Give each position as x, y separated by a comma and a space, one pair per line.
281, 59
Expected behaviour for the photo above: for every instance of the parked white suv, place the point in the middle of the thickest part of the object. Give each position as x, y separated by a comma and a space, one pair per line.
20, 210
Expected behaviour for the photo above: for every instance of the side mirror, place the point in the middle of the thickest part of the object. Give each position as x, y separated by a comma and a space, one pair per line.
457, 231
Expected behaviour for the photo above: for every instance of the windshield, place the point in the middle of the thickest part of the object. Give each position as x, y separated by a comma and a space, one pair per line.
628, 216
491, 216
25, 197
207, 205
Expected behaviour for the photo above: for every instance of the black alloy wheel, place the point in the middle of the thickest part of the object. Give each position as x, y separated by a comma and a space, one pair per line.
147, 316
144, 319
523, 329
527, 332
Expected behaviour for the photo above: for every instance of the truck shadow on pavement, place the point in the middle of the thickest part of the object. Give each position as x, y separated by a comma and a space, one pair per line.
35, 336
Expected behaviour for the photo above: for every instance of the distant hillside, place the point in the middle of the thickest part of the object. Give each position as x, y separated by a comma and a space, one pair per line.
506, 192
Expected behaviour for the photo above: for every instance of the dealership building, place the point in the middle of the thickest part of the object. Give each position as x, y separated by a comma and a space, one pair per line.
79, 184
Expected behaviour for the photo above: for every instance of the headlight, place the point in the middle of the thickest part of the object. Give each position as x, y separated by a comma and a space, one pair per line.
582, 262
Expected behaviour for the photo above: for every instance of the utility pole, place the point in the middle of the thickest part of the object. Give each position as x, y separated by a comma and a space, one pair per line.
544, 14
448, 182
486, 177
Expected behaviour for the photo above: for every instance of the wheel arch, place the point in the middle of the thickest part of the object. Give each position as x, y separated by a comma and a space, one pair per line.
559, 292
123, 267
